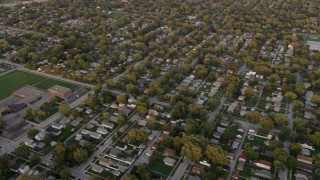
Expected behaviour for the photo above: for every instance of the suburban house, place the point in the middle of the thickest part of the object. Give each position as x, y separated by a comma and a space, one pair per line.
102, 131
122, 146
108, 124
242, 158
104, 161
40, 136
305, 159
23, 169
169, 152
169, 161
97, 168
30, 143
240, 166
57, 126
263, 164
301, 175
197, 169
204, 161
263, 173
95, 135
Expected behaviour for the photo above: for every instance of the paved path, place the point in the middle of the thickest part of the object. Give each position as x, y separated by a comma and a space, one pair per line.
213, 114
181, 169
260, 94
154, 100
238, 153
79, 172
127, 70
276, 53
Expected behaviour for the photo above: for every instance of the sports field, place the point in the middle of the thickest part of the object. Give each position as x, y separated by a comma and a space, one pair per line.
17, 79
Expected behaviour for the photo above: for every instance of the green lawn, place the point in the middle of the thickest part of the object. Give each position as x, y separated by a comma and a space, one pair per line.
117, 14
16, 80
5, 1
156, 164
51, 82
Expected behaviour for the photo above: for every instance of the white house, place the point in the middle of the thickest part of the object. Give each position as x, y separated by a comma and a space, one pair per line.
57, 126
24, 169
78, 137
30, 143
108, 124
122, 146
88, 111
102, 131
84, 131
40, 136
205, 162
97, 168
169, 161
95, 135
307, 146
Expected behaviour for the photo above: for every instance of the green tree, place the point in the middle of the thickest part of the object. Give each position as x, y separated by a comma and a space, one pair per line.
61, 150
2, 124
250, 94
193, 146
151, 122
22, 151
138, 135
34, 159
121, 120
317, 160
249, 152
32, 133
295, 149
216, 154
130, 176
121, 99
64, 109
30, 177
268, 124
291, 162
315, 99
314, 138
300, 125
80, 155
280, 157
64, 174
290, 96
105, 116
213, 103
280, 119
142, 172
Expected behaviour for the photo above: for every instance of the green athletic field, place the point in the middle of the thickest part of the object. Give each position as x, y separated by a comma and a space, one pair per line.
17, 79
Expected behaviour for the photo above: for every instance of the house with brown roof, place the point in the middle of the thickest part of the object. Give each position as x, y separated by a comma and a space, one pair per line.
305, 167
301, 175
305, 159
197, 169
104, 161
242, 158
262, 164
169, 152
154, 146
